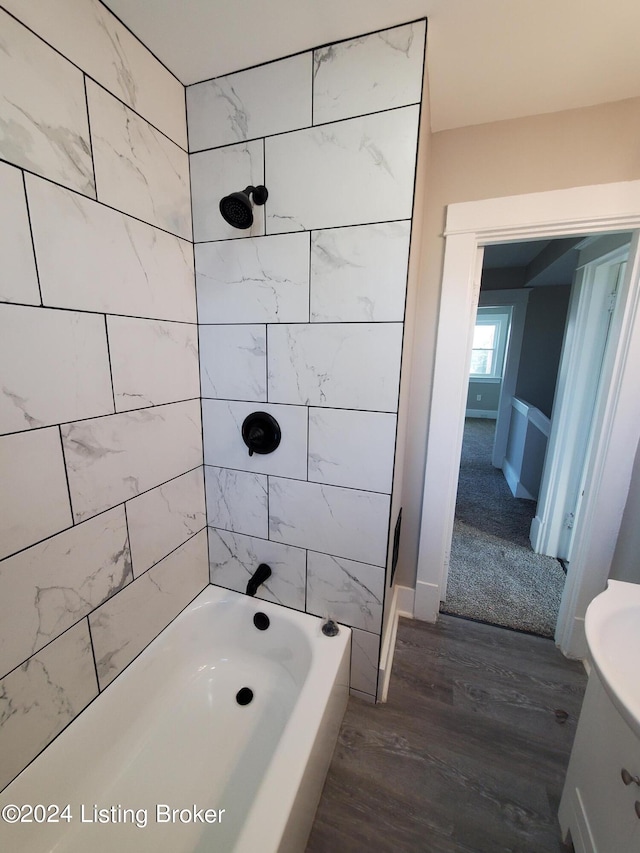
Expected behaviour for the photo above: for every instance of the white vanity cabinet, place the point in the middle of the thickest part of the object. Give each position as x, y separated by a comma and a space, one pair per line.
601, 812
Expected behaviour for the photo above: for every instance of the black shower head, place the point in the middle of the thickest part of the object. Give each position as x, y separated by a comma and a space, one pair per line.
237, 208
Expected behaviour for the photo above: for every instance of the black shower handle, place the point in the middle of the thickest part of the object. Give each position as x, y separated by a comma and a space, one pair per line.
261, 433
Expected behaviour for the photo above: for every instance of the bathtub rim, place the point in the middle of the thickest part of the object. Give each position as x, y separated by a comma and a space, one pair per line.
319, 727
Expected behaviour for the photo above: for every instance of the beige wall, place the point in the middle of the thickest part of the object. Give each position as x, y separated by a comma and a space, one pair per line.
593, 145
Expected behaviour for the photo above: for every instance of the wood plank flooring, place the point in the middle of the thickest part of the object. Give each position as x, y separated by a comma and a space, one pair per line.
467, 756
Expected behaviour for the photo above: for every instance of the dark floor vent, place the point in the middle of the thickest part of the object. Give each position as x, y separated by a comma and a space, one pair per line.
396, 547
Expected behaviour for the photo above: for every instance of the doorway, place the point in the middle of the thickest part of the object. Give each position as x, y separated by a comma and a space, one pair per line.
470, 227
494, 574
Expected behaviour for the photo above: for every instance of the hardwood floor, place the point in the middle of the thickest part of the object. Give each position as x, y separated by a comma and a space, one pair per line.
467, 756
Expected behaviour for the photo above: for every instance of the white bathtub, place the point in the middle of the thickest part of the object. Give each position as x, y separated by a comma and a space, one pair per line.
168, 734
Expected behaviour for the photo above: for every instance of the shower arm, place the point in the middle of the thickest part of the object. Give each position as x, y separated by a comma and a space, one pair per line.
259, 193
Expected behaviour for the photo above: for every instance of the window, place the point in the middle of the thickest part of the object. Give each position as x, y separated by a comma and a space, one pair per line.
490, 343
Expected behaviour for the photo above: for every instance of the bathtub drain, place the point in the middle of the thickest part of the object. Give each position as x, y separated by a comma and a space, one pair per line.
244, 696
261, 621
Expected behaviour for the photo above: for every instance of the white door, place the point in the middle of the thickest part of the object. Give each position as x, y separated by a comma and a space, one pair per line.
601, 265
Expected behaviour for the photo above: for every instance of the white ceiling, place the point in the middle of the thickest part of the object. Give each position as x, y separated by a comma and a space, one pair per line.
488, 59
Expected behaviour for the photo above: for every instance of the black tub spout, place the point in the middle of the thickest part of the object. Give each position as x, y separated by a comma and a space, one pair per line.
261, 574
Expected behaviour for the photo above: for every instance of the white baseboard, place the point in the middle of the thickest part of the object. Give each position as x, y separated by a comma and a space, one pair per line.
427, 601
513, 481
534, 532
401, 605
406, 601
481, 413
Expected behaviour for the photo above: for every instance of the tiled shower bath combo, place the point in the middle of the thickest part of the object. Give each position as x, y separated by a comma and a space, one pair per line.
138, 330
301, 316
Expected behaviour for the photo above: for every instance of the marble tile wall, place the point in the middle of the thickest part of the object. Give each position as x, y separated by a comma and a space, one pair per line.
102, 501
301, 316
138, 170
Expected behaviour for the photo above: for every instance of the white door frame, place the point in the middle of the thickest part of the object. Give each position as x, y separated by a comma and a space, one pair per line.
471, 226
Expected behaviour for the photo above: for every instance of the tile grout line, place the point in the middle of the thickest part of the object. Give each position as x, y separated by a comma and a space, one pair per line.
113, 390
66, 475
91, 154
97, 514
93, 655
323, 485
93, 79
139, 115
266, 361
367, 224
198, 328
106, 415
310, 50
308, 408
126, 524
300, 548
140, 42
268, 512
90, 198
33, 242
310, 276
306, 128
97, 313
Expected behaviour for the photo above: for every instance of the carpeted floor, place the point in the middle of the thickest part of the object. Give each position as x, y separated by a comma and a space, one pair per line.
494, 576
484, 499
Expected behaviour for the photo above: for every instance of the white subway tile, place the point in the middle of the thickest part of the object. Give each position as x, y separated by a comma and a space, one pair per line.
44, 110
51, 586
365, 651
110, 54
165, 517
217, 173
359, 274
123, 626
344, 590
223, 444
233, 362
342, 365
272, 98
34, 500
349, 173
237, 501
234, 558
259, 280
96, 259
18, 278
138, 170
115, 458
367, 74
351, 448
329, 519
55, 367
41, 697
152, 362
